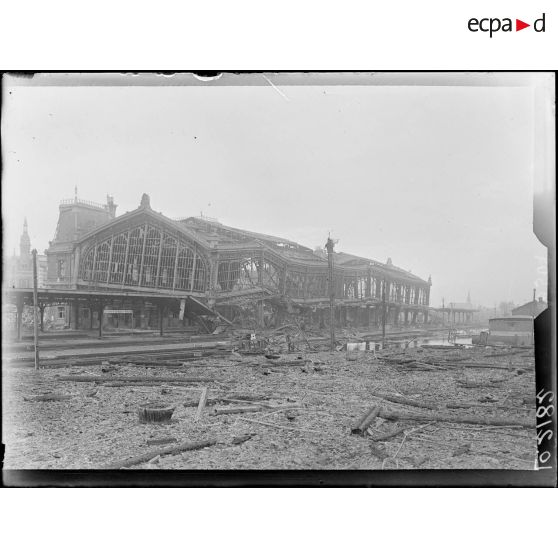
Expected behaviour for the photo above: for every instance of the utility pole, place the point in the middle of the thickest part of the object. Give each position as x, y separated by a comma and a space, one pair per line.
383, 312
35, 310
329, 246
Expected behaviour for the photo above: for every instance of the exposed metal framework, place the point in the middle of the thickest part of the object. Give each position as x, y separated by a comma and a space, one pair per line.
230, 270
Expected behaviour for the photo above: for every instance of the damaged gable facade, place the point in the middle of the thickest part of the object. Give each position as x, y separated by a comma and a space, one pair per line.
248, 278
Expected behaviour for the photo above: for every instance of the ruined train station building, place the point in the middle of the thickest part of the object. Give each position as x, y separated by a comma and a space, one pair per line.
208, 269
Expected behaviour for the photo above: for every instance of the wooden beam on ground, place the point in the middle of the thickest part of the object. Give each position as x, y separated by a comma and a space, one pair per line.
235, 410
133, 379
439, 417
365, 421
169, 450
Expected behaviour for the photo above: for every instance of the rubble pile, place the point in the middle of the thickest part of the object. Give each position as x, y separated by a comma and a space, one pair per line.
411, 408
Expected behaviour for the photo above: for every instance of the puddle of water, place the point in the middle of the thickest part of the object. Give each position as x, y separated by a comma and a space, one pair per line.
415, 343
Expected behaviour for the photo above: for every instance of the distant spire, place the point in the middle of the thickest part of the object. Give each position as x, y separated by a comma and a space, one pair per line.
469, 297
75, 193
24, 240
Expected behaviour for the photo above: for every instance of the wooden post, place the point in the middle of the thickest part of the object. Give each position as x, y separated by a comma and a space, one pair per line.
75, 307
201, 404
35, 310
329, 246
19, 307
42, 310
100, 308
161, 328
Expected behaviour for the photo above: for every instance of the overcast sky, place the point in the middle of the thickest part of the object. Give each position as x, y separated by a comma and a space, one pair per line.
437, 178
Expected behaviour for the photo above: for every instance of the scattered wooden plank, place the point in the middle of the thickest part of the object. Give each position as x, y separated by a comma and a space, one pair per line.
235, 410
170, 450
157, 364
237, 440
279, 426
439, 417
161, 441
407, 401
201, 404
388, 435
275, 364
477, 365
365, 421
462, 449
253, 402
389, 360
137, 384
134, 379
196, 402
47, 397
507, 353
473, 385
246, 397
427, 366
471, 404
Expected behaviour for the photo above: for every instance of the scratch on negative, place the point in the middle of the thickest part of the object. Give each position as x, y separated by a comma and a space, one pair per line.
276, 88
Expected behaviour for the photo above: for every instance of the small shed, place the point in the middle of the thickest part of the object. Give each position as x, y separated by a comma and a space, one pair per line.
513, 330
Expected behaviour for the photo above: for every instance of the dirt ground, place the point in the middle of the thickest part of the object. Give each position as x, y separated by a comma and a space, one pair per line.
304, 421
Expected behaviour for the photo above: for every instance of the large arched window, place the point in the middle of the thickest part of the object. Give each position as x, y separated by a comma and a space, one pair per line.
145, 256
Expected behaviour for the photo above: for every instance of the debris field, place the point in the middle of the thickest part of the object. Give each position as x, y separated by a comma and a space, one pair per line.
414, 408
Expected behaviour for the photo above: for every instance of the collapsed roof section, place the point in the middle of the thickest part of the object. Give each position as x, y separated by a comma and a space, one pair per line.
224, 237
225, 268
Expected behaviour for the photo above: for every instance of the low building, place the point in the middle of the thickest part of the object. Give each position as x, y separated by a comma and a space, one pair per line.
514, 330
532, 308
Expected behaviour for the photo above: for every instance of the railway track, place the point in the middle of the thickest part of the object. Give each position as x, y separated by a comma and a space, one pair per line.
93, 343
134, 356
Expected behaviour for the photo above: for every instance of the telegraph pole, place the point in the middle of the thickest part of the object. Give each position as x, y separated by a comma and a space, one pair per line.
35, 310
383, 313
329, 246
